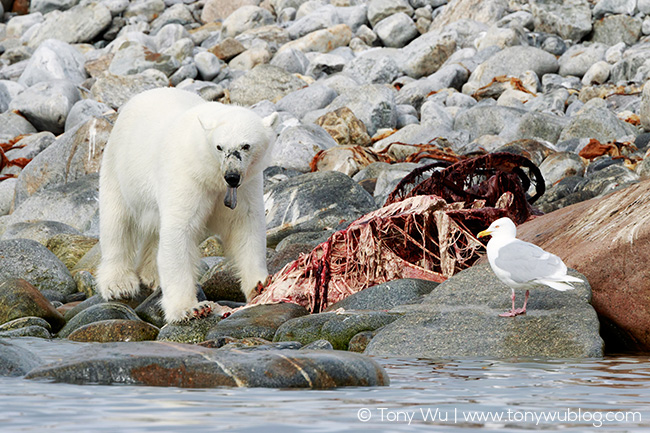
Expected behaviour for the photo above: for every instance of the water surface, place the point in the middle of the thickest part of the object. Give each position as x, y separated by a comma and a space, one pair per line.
607, 395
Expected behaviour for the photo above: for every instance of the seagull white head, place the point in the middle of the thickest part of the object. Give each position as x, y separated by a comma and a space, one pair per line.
503, 227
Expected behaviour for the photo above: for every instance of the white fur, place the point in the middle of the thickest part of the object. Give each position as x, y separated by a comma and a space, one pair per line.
162, 192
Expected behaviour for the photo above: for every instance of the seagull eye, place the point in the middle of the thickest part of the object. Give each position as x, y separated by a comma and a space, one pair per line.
246, 147
219, 148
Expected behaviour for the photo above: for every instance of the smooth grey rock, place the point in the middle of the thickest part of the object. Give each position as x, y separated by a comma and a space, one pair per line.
541, 126
24, 322
614, 29
176, 14
386, 296
179, 365
634, 58
324, 17
373, 104
31, 261
608, 7
380, 9
388, 178
560, 165
598, 73
260, 321
208, 65
460, 318
192, 332
245, 18
313, 202
45, 6
46, 104
28, 331
74, 203
599, 123
579, 58
54, 60
15, 360
79, 24
513, 61
103, 311
374, 67
427, 53
323, 64
292, 61
170, 34
39, 231
416, 92
133, 58
489, 120
553, 102
434, 115
148, 9
296, 146
84, 110
569, 19
644, 112
7, 189
484, 11
74, 155
396, 30
354, 16
114, 90
19, 24
263, 82
306, 99
610, 179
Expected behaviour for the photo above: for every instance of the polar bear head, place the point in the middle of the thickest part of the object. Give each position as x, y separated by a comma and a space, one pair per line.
239, 140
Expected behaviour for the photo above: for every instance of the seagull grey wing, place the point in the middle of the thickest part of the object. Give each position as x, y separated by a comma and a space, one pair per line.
526, 262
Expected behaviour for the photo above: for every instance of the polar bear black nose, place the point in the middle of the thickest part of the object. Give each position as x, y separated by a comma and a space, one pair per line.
232, 179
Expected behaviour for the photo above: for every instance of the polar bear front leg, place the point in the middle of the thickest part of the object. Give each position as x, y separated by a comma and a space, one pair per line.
178, 256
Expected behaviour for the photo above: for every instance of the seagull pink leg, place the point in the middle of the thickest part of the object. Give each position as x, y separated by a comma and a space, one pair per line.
513, 312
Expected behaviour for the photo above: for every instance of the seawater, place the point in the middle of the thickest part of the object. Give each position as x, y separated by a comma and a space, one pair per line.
611, 394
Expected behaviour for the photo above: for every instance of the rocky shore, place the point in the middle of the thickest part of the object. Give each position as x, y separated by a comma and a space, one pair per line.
361, 87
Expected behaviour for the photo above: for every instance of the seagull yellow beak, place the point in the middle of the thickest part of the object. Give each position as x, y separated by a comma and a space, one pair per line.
484, 233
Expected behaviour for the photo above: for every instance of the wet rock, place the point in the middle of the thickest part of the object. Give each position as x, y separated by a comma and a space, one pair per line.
318, 345
150, 310
169, 364
312, 202
89, 261
28, 259
258, 321
344, 127
460, 318
24, 322
70, 248
561, 165
87, 303
79, 24
27, 331
96, 313
263, 82
568, 19
306, 99
612, 230
54, 60
19, 299
386, 296
194, 331
16, 361
359, 342
336, 328
46, 104
39, 231
296, 146
106, 331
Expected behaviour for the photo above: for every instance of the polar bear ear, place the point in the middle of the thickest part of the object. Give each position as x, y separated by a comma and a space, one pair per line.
207, 122
271, 121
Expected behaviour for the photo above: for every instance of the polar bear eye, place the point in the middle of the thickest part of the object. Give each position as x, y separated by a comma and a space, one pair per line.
219, 148
246, 147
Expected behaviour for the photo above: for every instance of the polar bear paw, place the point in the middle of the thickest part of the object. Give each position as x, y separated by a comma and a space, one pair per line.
199, 311
124, 287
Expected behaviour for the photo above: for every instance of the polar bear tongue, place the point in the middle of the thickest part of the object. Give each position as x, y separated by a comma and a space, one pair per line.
231, 197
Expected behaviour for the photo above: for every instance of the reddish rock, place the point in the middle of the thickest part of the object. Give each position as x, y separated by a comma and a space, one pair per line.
106, 331
607, 239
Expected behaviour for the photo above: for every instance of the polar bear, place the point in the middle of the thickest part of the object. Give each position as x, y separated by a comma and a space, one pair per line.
175, 170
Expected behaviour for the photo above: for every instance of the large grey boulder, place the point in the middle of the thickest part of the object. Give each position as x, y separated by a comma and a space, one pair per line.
54, 60
313, 202
180, 365
373, 104
15, 360
460, 318
263, 82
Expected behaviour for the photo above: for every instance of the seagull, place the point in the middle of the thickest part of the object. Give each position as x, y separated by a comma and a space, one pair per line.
520, 264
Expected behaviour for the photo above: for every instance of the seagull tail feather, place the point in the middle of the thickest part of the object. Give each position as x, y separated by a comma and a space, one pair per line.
558, 285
